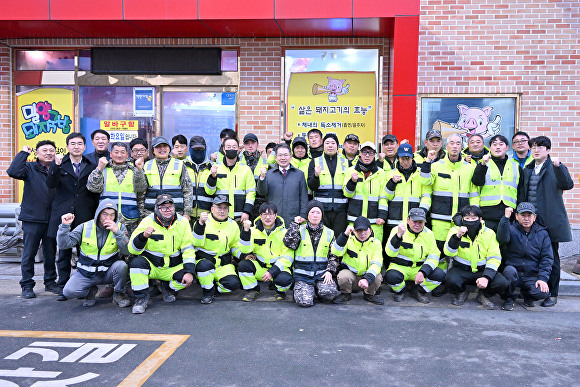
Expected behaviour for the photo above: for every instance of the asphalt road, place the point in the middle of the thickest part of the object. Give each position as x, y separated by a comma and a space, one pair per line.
232, 343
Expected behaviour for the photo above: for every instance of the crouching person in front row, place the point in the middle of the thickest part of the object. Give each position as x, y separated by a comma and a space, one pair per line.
314, 263
102, 243
414, 257
216, 239
267, 259
476, 259
164, 245
362, 261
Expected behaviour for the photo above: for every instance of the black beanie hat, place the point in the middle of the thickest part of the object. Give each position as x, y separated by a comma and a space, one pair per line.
331, 135
311, 204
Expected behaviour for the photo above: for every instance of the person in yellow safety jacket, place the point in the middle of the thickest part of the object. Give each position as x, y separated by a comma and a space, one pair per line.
350, 149
102, 242
266, 257
522, 153
216, 240
364, 184
121, 182
414, 257
475, 149
235, 181
499, 179
361, 264
387, 158
450, 179
314, 262
325, 177
166, 174
163, 244
252, 157
476, 259
198, 168
433, 142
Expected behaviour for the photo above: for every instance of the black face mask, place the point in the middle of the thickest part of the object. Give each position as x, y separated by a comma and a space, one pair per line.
231, 154
472, 227
197, 155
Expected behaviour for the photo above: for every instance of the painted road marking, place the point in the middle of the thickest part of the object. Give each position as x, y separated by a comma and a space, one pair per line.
88, 351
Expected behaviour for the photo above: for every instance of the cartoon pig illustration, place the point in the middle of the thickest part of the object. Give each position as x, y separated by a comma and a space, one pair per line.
334, 88
476, 121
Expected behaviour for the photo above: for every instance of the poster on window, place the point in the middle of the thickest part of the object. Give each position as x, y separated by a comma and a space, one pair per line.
43, 114
340, 102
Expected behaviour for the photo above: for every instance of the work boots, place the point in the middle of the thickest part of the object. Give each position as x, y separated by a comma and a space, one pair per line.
419, 296
459, 298
140, 304
486, 302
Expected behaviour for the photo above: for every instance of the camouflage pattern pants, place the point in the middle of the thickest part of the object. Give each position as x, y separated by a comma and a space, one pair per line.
304, 293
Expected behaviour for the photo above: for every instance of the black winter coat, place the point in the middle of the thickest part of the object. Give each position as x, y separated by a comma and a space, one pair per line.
550, 204
530, 254
71, 194
37, 197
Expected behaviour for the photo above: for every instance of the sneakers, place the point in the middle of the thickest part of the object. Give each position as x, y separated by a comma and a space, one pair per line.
550, 301
280, 296
140, 305
342, 298
529, 303
508, 304
106, 292
121, 299
373, 299
53, 288
90, 299
28, 293
167, 293
419, 296
459, 298
486, 302
251, 295
399, 297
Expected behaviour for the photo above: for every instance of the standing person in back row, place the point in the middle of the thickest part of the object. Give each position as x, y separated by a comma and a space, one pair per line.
544, 182
68, 175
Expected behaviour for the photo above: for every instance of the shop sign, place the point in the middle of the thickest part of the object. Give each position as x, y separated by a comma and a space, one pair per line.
144, 101
121, 130
341, 102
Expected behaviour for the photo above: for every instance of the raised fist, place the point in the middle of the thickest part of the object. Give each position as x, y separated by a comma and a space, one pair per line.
317, 170
58, 159
247, 224
508, 212
468, 158
148, 231
27, 149
213, 157
382, 156
402, 229
349, 230
462, 230
396, 178
298, 219
288, 135
432, 155
404, 141
485, 159
102, 163
214, 170
203, 218
354, 177
556, 161
139, 163
67, 218
263, 171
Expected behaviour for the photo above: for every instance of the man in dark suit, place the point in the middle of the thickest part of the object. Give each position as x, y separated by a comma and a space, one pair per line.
100, 139
68, 175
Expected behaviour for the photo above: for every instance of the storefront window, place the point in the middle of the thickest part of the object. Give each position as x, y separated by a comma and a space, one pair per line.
45, 60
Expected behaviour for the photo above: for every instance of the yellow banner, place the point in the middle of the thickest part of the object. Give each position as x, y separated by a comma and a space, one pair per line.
341, 102
43, 114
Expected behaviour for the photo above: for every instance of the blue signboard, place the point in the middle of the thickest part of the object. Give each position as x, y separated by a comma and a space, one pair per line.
144, 101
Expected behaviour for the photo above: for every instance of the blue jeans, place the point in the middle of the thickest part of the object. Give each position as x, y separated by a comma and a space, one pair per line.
33, 234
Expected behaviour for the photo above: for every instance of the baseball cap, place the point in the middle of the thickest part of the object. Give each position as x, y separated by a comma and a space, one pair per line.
432, 134
361, 223
197, 142
405, 150
368, 144
389, 137
221, 199
250, 136
417, 214
159, 141
299, 140
526, 207
351, 137
163, 198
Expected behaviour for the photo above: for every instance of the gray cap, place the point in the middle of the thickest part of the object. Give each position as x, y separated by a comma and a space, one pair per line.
197, 142
433, 133
361, 223
526, 207
221, 199
163, 198
418, 214
159, 141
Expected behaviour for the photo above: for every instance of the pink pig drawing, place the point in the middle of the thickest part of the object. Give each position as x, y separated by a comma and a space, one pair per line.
335, 88
474, 120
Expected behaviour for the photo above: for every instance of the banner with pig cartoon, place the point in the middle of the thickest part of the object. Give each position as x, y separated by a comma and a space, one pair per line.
468, 115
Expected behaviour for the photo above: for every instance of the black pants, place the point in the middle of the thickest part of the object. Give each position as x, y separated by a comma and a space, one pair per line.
554, 281
457, 278
336, 221
33, 234
63, 266
387, 228
526, 285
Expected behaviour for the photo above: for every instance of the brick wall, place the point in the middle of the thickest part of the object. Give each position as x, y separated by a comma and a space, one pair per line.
528, 47
6, 153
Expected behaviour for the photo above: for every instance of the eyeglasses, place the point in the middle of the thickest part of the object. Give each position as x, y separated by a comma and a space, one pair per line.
367, 153
139, 150
166, 208
519, 142
267, 214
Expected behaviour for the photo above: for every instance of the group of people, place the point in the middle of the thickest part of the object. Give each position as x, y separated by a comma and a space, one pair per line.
323, 218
